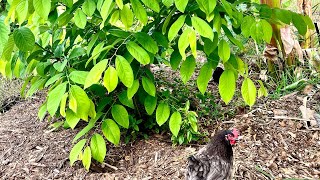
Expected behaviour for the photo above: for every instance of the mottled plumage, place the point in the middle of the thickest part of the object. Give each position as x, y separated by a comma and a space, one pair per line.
214, 161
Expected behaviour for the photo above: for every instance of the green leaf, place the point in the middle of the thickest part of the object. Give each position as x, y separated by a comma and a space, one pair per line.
95, 73
207, 6
82, 102
77, 52
283, 15
71, 118
139, 11
98, 147
187, 69
202, 27
42, 111
119, 3
175, 60
54, 98
152, 4
123, 98
133, 89
148, 86
124, 71
210, 46
175, 123
193, 42
110, 79
111, 131
227, 85
175, 28
224, 50
309, 22
249, 92
150, 104
267, 30
126, 16
167, 3
53, 79
162, 113
120, 115
147, 42
204, 77
59, 66
76, 150
22, 11
4, 35
88, 7
78, 77
86, 158
87, 128
42, 7
63, 103
262, 90
183, 42
80, 19
106, 9
246, 24
299, 23
138, 53
24, 39
181, 4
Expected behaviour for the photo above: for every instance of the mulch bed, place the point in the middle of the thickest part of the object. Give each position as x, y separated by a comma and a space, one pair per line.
271, 148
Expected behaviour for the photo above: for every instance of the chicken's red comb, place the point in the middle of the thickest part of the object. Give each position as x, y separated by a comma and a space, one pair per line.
235, 132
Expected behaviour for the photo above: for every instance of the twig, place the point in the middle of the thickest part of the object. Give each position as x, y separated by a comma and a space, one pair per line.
110, 166
291, 118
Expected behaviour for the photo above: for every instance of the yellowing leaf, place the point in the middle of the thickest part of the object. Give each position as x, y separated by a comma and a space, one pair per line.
175, 28
86, 158
110, 80
181, 4
126, 16
202, 27
248, 91
42, 7
95, 73
76, 150
183, 42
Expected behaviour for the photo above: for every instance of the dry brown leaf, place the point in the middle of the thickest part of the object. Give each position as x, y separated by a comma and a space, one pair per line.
287, 40
307, 89
280, 112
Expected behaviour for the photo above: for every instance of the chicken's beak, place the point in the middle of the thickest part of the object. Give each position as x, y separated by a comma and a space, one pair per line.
239, 138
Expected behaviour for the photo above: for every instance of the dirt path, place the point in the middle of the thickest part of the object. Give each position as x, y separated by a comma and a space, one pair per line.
271, 149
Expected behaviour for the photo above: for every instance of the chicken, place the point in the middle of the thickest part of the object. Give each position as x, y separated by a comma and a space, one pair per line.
214, 161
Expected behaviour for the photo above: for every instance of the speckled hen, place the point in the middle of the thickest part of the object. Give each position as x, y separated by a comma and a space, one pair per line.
214, 161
